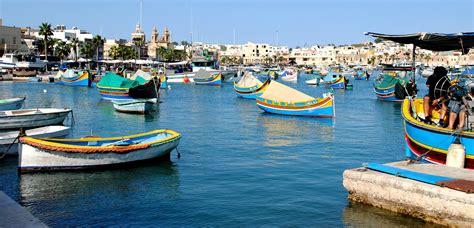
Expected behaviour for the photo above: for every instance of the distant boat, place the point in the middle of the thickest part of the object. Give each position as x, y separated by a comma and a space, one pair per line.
213, 79
427, 72
12, 103
75, 78
391, 86
339, 83
284, 100
113, 86
291, 75
138, 106
314, 81
361, 75
31, 118
250, 87
94, 152
7, 138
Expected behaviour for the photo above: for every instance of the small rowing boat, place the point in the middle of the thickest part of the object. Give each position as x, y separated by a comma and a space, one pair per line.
31, 118
12, 103
7, 138
37, 154
250, 87
137, 106
212, 79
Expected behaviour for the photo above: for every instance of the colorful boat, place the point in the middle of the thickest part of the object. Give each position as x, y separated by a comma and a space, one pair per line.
75, 78
393, 87
138, 106
359, 75
94, 152
12, 103
429, 141
113, 86
7, 138
339, 83
283, 100
31, 118
250, 87
213, 79
163, 82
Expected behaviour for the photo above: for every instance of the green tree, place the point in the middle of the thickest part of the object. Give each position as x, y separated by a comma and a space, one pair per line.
139, 44
114, 52
62, 49
46, 31
87, 50
97, 42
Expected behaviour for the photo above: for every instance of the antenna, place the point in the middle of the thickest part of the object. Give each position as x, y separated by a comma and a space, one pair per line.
141, 14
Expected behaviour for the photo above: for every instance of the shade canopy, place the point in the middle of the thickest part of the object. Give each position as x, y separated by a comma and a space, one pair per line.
432, 41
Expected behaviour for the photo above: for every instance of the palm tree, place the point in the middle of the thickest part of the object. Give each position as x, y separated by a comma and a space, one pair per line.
62, 49
74, 43
87, 50
45, 30
97, 42
114, 52
139, 44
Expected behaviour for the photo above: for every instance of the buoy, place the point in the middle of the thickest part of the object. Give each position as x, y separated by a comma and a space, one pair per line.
456, 155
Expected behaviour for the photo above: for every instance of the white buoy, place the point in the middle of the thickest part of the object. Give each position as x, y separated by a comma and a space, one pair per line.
45, 91
456, 155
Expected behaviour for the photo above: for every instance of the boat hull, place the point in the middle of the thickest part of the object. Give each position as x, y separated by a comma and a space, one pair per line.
421, 138
134, 106
251, 92
386, 94
32, 119
113, 93
338, 84
215, 80
79, 80
7, 138
34, 157
322, 109
12, 104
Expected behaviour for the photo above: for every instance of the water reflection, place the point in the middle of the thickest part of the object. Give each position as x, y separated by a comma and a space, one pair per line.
361, 215
288, 130
51, 196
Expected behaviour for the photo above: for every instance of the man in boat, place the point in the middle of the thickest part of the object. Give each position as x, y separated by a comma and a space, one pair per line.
459, 103
438, 85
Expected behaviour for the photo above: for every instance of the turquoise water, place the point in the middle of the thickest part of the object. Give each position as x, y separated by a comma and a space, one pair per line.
239, 166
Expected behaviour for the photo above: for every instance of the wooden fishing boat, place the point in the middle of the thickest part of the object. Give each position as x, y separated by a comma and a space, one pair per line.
283, 100
12, 103
75, 78
250, 87
212, 80
7, 138
339, 83
391, 87
358, 75
137, 106
113, 86
94, 152
31, 118
429, 140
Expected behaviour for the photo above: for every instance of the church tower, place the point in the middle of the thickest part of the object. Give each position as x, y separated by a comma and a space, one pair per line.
154, 35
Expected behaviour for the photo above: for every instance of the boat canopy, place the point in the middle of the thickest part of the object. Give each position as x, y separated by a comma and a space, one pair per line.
248, 80
432, 41
117, 81
141, 76
282, 93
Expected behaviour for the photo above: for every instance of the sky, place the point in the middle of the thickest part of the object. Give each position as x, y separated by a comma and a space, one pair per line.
285, 22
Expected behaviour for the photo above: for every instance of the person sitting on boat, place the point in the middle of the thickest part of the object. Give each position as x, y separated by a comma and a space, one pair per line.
437, 81
458, 107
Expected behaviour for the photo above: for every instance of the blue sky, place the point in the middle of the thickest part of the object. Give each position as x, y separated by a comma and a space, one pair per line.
298, 22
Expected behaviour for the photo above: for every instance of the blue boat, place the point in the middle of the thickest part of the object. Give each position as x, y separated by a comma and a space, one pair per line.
250, 87
429, 141
283, 100
212, 80
75, 78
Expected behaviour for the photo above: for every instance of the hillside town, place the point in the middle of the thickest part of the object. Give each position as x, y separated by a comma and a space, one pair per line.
76, 44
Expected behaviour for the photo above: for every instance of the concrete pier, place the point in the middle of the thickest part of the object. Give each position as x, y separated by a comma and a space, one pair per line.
14, 215
429, 202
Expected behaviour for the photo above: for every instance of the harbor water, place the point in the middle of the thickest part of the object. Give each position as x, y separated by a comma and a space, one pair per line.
238, 165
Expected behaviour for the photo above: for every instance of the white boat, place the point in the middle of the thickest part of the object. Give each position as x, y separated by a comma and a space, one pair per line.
140, 106
12, 103
31, 118
94, 152
314, 81
427, 72
7, 138
27, 61
291, 75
